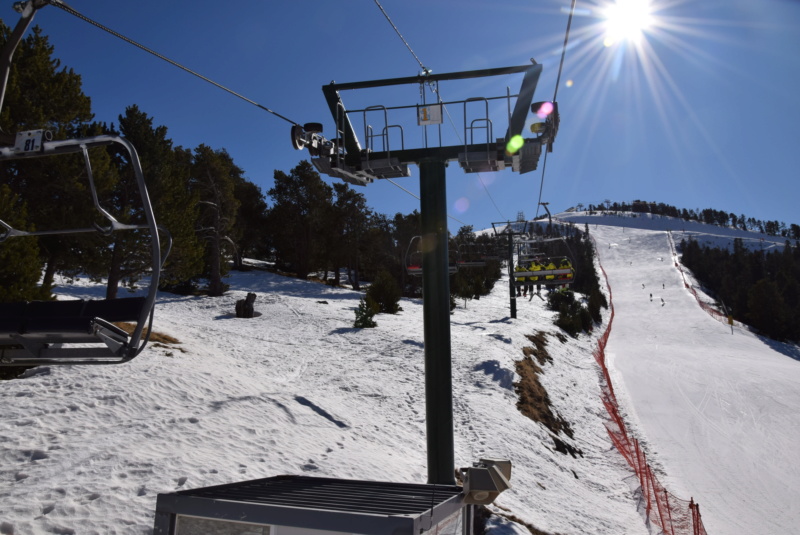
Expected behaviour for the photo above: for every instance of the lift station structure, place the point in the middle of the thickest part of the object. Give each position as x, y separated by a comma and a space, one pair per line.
385, 156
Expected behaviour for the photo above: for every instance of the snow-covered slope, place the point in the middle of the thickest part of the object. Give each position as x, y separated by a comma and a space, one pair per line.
717, 408
297, 390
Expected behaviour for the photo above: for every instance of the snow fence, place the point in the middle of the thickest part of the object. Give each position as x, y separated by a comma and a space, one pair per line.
712, 311
673, 515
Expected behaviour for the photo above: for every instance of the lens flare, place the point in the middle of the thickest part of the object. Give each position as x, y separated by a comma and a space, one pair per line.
544, 110
461, 205
514, 144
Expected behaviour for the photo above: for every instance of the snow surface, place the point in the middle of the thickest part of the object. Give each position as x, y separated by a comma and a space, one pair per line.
298, 390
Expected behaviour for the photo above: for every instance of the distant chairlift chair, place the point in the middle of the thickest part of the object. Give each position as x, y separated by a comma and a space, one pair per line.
470, 256
413, 258
549, 271
78, 331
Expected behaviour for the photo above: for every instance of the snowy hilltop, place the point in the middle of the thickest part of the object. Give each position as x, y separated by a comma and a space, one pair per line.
298, 390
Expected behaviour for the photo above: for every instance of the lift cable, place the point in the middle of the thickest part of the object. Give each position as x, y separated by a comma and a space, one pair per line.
555, 94
408, 46
68, 9
425, 71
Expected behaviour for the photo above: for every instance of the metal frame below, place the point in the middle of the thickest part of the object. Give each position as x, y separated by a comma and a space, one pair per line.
313, 503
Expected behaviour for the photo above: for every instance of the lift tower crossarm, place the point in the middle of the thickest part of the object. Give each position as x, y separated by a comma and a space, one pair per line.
420, 79
350, 139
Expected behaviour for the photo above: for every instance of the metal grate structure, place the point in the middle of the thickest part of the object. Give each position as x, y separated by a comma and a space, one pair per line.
299, 503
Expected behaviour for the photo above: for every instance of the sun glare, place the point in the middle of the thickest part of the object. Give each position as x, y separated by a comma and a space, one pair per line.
626, 20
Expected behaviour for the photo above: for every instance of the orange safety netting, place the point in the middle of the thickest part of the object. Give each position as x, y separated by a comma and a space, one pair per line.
674, 516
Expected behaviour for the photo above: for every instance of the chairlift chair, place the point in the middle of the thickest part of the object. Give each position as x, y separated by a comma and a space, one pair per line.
78, 331
73, 331
469, 256
542, 269
413, 260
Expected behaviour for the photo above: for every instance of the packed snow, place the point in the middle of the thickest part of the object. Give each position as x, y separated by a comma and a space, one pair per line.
298, 390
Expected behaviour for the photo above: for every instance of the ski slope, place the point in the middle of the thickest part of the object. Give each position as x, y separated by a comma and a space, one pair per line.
716, 408
298, 390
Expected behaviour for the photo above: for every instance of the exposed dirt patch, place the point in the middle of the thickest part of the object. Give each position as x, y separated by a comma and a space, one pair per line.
534, 402
484, 513
155, 337
540, 348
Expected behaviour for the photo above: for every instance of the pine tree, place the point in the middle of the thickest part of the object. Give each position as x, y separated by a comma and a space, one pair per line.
364, 315
301, 200
346, 226
214, 176
385, 293
251, 219
42, 95
20, 266
167, 172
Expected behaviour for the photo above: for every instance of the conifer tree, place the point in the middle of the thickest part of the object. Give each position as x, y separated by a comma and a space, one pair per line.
214, 176
167, 172
296, 219
251, 219
42, 95
349, 216
20, 266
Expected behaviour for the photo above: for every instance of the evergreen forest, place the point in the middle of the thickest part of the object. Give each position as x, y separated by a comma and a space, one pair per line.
709, 216
756, 287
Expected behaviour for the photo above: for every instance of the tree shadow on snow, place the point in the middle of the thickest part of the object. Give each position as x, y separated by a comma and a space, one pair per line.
790, 350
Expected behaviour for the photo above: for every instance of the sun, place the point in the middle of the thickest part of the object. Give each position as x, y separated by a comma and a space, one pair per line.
626, 21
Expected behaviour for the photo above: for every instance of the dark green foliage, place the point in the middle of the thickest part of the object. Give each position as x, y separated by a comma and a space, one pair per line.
475, 281
572, 317
213, 177
596, 300
297, 219
365, 314
42, 94
385, 292
251, 219
758, 288
187, 287
347, 233
167, 171
20, 266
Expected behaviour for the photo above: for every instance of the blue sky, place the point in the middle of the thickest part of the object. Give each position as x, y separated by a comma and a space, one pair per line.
700, 112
